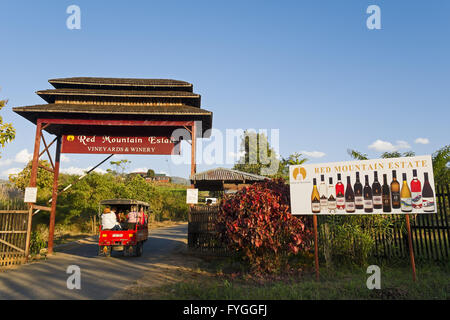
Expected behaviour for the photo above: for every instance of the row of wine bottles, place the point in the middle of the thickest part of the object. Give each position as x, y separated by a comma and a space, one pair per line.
372, 197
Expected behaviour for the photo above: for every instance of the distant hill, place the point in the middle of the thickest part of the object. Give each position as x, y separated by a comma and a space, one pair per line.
179, 180
8, 192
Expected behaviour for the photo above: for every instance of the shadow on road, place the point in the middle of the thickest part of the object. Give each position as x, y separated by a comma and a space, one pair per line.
100, 276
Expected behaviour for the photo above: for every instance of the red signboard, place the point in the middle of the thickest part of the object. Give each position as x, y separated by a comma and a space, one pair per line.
119, 145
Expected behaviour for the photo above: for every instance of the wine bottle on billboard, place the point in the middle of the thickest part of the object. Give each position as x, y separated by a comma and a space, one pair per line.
386, 195
416, 192
331, 196
315, 198
349, 197
359, 199
428, 204
323, 193
340, 195
405, 196
368, 200
376, 192
395, 191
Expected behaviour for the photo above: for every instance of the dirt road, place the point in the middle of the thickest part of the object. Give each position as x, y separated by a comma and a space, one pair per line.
101, 278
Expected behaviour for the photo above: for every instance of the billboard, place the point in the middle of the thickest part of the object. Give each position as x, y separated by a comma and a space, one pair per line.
119, 145
380, 186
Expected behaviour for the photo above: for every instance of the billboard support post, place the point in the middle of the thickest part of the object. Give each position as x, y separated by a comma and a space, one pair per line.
316, 247
411, 251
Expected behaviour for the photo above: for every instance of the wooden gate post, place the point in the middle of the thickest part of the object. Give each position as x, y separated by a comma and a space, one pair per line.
51, 228
33, 182
28, 238
193, 149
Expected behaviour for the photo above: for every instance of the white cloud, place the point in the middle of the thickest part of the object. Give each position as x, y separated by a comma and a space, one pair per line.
140, 170
382, 146
422, 141
98, 170
6, 162
80, 171
313, 154
9, 171
386, 146
402, 145
23, 156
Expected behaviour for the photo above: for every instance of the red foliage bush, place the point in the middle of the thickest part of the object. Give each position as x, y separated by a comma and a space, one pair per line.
257, 223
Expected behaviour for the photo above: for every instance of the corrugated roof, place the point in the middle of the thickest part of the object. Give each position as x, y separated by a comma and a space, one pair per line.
224, 174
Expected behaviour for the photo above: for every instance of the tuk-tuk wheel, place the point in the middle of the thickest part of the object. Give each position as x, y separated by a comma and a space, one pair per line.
139, 249
128, 251
105, 251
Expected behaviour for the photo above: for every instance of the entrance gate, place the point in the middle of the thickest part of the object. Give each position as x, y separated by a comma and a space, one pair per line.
109, 107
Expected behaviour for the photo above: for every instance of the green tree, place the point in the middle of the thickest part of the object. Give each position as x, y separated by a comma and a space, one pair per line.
150, 173
44, 180
258, 157
7, 132
396, 154
121, 166
441, 165
357, 155
294, 159
80, 203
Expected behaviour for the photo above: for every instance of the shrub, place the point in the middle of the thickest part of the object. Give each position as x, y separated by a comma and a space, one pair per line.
351, 239
37, 242
256, 223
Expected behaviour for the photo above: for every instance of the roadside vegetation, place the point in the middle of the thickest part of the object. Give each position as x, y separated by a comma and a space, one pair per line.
396, 283
270, 255
78, 208
224, 279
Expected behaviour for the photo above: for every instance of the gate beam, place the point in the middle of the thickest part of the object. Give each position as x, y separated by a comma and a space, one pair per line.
12, 246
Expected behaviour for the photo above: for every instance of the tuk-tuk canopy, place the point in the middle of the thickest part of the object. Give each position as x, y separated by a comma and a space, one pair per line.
123, 202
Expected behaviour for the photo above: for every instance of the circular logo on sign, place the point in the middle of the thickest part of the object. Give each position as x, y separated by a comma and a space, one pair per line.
299, 173
70, 138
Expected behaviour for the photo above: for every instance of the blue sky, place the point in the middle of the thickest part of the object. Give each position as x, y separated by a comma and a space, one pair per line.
311, 69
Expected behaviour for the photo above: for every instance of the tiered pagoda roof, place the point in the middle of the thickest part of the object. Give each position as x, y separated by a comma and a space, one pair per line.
116, 99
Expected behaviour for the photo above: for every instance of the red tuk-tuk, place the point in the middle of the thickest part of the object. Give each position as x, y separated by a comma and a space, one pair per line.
129, 241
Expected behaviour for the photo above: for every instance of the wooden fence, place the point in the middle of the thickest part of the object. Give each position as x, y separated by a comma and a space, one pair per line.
202, 235
13, 233
430, 233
